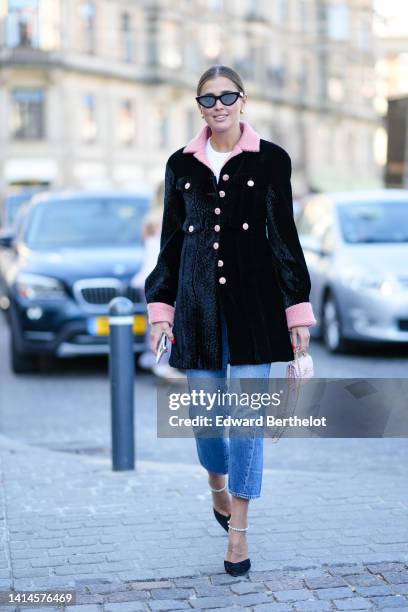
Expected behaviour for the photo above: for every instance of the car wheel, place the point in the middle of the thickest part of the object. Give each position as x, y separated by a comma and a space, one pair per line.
332, 333
21, 363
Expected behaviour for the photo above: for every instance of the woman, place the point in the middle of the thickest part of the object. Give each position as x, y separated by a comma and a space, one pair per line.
231, 283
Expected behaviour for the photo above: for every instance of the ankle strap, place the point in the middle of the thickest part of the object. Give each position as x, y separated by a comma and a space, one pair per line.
237, 528
219, 490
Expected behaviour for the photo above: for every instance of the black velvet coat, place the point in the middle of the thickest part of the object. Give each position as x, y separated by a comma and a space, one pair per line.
257, 271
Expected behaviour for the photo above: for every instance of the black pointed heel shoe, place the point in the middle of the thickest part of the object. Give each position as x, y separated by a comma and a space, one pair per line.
221, 518
241, 567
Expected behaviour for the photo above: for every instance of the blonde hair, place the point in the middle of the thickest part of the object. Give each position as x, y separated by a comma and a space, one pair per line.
220, 70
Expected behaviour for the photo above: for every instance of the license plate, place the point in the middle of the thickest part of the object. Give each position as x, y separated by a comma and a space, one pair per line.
99, 326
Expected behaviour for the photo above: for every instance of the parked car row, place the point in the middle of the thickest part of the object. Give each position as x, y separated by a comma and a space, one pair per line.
67, 255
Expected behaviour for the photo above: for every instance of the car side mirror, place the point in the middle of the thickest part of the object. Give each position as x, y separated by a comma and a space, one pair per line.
324, 251
6, 240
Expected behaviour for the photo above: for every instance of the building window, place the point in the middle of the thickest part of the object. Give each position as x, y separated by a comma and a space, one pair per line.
278, 72
88, 14
27, 118
170, 48
127, 125
192, 50
304, 15
126, 37
335, 88
23, 23
211, 40
303, 76
338, 21
365, 33
252, 7
88, 123
282, 11
216, 5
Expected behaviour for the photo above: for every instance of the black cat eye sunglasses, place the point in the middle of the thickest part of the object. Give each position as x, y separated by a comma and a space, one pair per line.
228, 99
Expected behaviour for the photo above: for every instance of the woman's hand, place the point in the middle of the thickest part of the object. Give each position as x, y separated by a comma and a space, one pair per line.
156, 333
304, 335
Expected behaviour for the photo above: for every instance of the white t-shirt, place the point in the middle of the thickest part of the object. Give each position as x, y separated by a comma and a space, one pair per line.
216, 159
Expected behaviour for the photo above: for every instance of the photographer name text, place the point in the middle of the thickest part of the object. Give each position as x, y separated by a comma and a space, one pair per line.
259, 421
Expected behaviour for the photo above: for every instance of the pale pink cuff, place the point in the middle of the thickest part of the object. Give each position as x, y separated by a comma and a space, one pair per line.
159, 311
300, 314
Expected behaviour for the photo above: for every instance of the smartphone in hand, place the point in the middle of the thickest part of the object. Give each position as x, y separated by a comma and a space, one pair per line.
163, 348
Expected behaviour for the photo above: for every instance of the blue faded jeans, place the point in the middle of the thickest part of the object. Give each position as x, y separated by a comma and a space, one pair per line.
239, 457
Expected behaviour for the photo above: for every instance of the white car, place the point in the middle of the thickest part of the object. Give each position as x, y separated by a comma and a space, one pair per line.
356, 249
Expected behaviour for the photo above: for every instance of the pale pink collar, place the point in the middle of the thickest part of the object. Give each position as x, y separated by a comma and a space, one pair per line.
249, 141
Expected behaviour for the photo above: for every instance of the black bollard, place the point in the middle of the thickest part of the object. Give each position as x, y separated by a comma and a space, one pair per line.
121, 373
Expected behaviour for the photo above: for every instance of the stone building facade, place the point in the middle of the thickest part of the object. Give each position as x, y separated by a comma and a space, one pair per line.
97, 93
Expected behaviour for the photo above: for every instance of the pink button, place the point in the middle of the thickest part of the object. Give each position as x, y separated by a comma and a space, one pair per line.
217, 228
220, 263
250, 183
222, 194
216, 245
187, 185
217, 211
245, 225
222, 280
225, 177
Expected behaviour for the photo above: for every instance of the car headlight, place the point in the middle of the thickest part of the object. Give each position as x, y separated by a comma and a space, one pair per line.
37, 286
364, 280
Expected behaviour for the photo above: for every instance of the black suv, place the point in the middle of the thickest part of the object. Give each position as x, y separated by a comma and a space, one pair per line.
71, 254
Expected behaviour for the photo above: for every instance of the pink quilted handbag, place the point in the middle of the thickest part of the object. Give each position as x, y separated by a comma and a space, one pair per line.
301, 368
